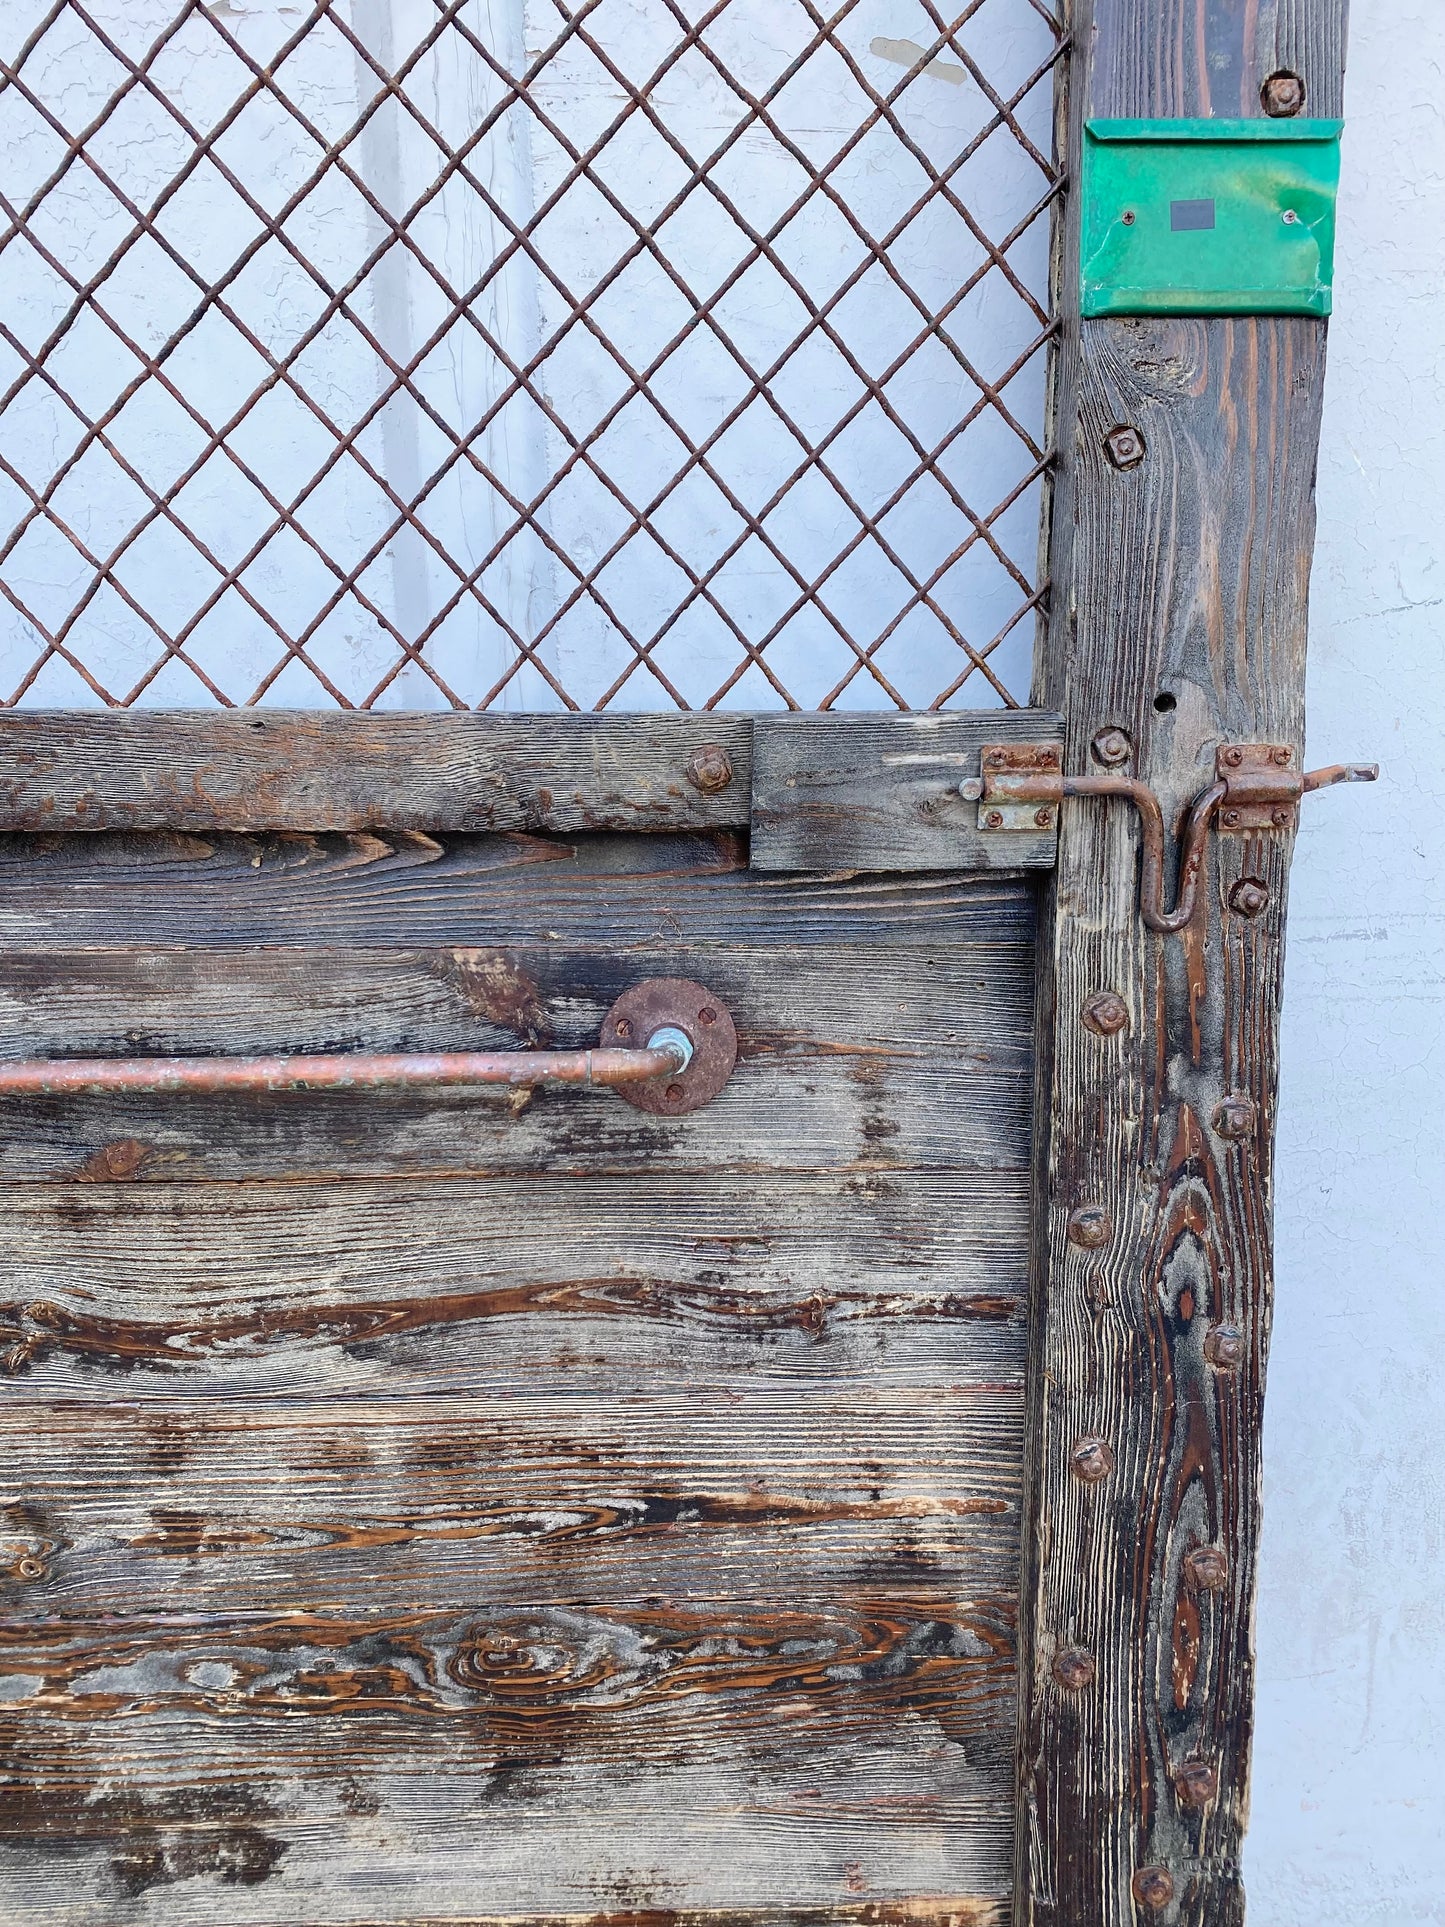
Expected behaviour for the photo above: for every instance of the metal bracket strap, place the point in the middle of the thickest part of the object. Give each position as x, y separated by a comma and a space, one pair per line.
1256, 787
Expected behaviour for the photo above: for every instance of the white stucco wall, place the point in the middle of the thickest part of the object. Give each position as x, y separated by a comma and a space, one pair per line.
1348, 1824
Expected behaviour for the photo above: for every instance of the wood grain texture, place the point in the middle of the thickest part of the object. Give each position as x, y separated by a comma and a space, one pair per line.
507, 1286
355, 770
1179, 616
881, 792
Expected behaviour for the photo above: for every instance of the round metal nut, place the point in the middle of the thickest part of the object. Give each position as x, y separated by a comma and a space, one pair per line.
1248, 897
1090, 1227
709, 768
1153, 1888
1111, 746
1282, 95
1224, 1347
1196, 1784
1206, 1570
1092, 1460
1073, 1669
1104, 1012
1234, 1116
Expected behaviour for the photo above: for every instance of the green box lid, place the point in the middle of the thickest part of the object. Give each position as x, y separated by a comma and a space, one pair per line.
1208, 216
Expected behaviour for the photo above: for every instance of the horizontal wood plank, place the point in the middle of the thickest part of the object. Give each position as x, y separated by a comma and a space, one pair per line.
509, 1285
263, 1506
881, 792
353, 770
406, 888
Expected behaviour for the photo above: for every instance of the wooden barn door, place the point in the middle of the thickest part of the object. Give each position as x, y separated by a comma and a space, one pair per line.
649, 1311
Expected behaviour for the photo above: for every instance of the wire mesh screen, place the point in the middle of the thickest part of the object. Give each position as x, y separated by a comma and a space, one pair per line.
511, 353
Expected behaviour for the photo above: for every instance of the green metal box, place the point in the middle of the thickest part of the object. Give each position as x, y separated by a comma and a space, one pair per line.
1208, 216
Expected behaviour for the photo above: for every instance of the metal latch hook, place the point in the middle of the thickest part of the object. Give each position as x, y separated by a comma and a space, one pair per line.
1256, 787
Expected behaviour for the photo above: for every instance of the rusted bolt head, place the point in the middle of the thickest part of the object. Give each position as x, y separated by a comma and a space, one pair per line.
1153, 1888
1124, 447
1111, 746
1205, 1569
1104, 1012
1196, 1784
1249, 896
993, 819
1090, 1227
1091, 1460
1282, 95
1224, 1347
1234, 1116
1073, 1668
709, 768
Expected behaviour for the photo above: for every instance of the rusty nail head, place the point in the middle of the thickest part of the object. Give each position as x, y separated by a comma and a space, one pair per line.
1249, 896
1092, 1460
1205, 1569
1090, 1227
1282, 95
1124, 447
709, 768
1073, 1669
1111, 746
1234, 1116
1104, 1013
1224, 1347
1196, 1783
993, 819
1153, 1887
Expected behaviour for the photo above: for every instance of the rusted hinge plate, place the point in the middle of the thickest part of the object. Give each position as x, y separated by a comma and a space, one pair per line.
871, 792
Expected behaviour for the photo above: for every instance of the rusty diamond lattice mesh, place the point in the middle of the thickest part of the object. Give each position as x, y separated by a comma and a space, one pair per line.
522, 354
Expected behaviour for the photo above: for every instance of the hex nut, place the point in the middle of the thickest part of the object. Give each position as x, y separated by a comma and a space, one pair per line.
1090, 1227
1073, 1669
1248, 897
1283, 95
1153, 1888
1105, 1013
709, 768
1111, 746
1124, 446
1091, 1461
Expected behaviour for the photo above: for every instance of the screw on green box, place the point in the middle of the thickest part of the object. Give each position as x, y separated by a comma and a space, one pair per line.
1208, 216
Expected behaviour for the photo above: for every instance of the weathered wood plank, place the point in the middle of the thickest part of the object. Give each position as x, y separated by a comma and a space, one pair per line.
480, 890
881, 792
846, 1061
265, 1506
505, 1286
1179, 618
355, 770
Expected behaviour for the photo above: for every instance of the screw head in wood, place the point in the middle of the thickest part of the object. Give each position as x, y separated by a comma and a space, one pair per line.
1234, 1116
1104, 1012
1280, 819
1224, 1347
1124, 446
1249, 896
1282, 95
1092, 1460
1234, 756
1232, 819
1090, 1227
1205, 1569
1280, 757
709, 768
1195, 1784
1153, 1888
993, 819
1073, 1669
1111, 746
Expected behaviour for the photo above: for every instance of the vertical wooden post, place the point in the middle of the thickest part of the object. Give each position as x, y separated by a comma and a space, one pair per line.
1178, 617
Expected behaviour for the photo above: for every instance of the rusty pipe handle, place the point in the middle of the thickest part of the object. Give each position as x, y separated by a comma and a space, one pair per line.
688, 1055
